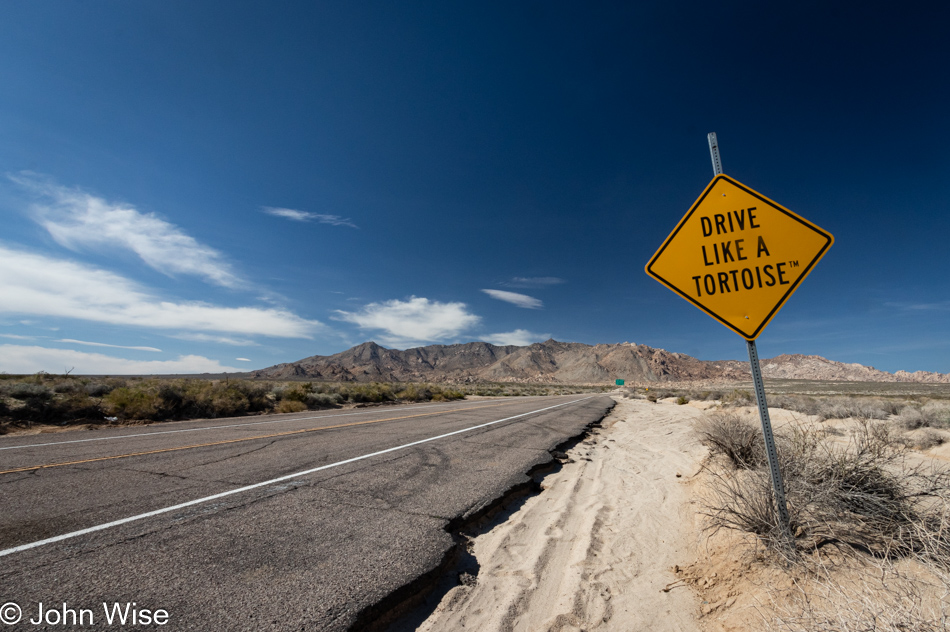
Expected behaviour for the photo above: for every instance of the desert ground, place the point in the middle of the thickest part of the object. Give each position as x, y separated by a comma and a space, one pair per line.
658, 519
618, 540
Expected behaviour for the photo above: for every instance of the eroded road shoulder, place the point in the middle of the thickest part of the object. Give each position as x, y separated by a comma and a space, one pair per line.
596, 548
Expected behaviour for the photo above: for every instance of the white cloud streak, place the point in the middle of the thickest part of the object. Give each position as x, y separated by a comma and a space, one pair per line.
224, 340
414, 321
521, 300
36, 285
102, 344
940, 306
243, 359
527, 282
518, 337
77, 220
23, 359
304, 216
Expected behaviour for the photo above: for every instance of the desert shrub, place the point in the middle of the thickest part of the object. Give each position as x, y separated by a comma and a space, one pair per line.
203, 398
932, 414
910, 418
682, 399
36, 402
183, 399
936, 414
98, 389
923, 439
736, 437
258, 396
446, 394
323, 400
28, 391
369, 393
798, 403
132, 403
294, 393
277, 392
67, 386
738, 397
228, 402
856, 407
42, 398
67, 407
890, 406
42, 409
707, 396
413, 393
79, 406
291, 406
864, 496
173, 400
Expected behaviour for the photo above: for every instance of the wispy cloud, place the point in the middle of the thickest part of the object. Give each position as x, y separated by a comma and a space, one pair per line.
37, 285
17, 337
939, 306
243, 359
518, 337
75, 220
521, 300
24, 359
417, 320
102, 344
305, 216
533, 282
224, 340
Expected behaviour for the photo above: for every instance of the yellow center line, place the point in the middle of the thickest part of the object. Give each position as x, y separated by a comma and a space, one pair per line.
268, 436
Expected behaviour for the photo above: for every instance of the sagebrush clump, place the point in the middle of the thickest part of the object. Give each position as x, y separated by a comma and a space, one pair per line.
865, 495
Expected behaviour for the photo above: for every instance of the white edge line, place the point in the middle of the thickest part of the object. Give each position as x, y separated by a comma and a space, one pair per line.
161, 432
198, 501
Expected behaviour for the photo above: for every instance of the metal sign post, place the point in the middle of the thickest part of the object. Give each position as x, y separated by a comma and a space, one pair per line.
738, 256
777, 485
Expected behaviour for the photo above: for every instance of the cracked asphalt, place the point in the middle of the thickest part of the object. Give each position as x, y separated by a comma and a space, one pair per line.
305, 553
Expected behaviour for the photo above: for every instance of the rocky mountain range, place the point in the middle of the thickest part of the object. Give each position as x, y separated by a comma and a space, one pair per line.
563, 362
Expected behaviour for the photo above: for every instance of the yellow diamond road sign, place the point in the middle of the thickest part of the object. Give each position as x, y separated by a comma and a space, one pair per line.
738, 256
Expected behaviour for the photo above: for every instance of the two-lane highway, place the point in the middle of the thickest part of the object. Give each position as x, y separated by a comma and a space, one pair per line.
293, 522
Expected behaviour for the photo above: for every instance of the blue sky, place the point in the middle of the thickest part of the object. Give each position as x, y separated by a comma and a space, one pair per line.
211, 186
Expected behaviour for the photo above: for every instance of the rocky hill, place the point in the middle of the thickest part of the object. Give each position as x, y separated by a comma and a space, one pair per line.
818, 368
563, 362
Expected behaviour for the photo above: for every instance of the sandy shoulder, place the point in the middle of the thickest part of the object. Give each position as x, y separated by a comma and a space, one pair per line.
596, 549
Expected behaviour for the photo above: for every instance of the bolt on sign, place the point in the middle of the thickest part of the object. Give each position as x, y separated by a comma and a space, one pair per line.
738, 256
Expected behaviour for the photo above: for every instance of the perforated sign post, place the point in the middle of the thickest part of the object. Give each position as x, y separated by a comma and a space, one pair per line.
739, 256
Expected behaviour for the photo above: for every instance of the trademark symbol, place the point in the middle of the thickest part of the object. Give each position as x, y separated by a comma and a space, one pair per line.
793, 264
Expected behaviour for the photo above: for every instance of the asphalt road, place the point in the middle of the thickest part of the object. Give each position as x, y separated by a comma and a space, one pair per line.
294, 522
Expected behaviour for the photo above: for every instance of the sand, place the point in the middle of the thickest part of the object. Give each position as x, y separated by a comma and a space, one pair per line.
615, 541
596, 549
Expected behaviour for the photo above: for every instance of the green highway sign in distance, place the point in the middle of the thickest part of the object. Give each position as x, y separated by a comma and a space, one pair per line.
619, 382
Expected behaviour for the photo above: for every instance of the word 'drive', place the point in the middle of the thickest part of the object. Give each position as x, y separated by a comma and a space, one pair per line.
738, 256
